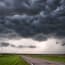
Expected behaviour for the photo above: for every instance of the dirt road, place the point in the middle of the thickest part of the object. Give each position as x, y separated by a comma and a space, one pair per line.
34, 61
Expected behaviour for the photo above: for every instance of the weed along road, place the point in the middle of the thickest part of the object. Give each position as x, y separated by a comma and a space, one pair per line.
34, 61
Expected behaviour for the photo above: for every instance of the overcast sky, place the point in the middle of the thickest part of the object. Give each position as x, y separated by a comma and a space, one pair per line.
32, 26
49, 46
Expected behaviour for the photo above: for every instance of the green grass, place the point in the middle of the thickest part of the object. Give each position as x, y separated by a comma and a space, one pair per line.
12, 60
57, 58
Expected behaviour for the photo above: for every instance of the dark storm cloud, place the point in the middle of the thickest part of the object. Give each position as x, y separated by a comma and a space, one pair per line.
29, 6
32, 17
40, 37
19, 6
4, 44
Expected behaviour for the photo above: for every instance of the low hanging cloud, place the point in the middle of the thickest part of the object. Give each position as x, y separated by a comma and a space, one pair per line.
4, 44
24, 46
40, 37
32, 46
63, 44
20, 46
12, 45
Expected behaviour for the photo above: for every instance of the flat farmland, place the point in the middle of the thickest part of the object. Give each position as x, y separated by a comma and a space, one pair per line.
12, 60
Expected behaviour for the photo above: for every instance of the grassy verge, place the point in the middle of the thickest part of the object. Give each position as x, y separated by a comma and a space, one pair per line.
58, 58
12, 60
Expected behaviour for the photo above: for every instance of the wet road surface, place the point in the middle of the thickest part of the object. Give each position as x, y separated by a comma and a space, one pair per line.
34, 61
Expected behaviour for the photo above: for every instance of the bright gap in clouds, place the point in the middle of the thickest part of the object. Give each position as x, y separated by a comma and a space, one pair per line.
44, 47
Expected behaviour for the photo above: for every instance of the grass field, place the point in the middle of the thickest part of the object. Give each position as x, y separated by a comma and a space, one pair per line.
58, 58
12, 60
